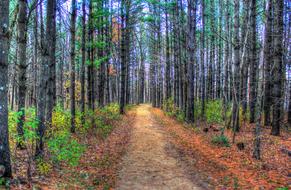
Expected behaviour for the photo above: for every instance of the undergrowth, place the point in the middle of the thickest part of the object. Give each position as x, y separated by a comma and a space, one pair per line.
214, 111
221, 140
62, 146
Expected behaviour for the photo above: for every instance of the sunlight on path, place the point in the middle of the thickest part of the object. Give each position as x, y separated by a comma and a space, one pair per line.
146, 165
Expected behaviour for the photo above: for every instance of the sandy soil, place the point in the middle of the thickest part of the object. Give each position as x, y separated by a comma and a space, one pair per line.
147, 165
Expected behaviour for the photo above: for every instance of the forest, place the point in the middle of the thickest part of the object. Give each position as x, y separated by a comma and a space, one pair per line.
145, 94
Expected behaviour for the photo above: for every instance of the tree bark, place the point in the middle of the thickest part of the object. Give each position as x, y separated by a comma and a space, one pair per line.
168, 63
253, 66
192, 6
278, 67
4, 51
22, 66
83, 60
236, 63
202, 59
268, 64
42, 87
123, 58
51, 37
72, 56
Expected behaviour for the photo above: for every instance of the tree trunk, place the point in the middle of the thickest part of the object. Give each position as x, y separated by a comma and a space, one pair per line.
42, 87
168, 63
192, 5
236, 63
72, 56
83, 61
22, 66
202, 59
268, 64
123, 59
51, 36
257, 139
289, 107
253, 66
4, 51
278, 67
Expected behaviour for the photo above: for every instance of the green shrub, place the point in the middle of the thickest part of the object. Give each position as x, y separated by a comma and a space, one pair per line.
65, 148
110, 112
197, 109
43, 167
169, 106
4, 182
282, 188
29, 127
12, 126
221, 140
180, 115
61, 120
104, 130
213, 112
104, 117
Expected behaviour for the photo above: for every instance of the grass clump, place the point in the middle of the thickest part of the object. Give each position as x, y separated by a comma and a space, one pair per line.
221, 140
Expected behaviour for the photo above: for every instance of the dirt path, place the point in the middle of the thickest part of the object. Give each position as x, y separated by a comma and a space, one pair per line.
147, 164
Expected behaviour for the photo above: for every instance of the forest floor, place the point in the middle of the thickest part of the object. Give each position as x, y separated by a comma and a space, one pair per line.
149, 150
228, 167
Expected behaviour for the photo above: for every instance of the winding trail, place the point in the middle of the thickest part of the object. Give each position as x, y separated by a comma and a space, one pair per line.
147, 165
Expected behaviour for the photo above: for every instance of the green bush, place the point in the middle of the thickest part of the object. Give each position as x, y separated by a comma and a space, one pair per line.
282, 188
61, 144
29, 127
169, 106
104, 117
213, 111
221, 141
180, 115
12, 125
61, 120
64, 147
43, 167
110, 112
197, 110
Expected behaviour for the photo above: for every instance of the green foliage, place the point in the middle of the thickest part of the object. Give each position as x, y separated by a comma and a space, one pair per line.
235, 183
104, 117
43, 167
221, 140
213, 111
104, 130
148, 18
64, 148
98, 62
12, 123
172, 110
169, 106
180, 115
82, 128
30, 126
110, 112
60, 120
4, 182
282, 188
